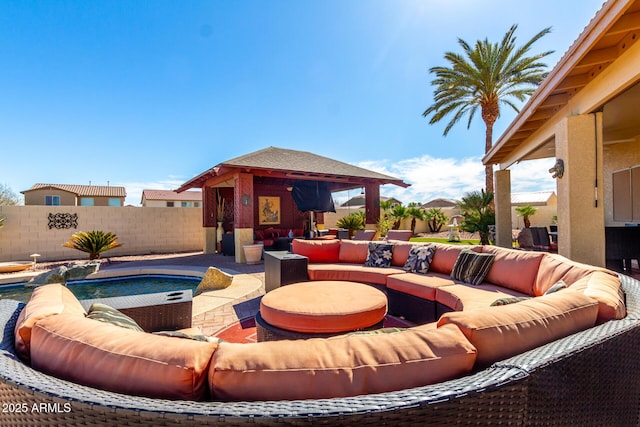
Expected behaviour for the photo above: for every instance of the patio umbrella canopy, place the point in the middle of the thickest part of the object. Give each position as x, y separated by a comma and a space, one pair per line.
312, 196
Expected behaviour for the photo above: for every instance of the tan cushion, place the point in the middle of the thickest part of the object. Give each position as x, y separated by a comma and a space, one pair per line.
107, 357
340, 366
462, 296
504, 331
353, 251
607, 290
446, 255
45, 301
554, 267
513, 269
352, 273
317, 250
419, 285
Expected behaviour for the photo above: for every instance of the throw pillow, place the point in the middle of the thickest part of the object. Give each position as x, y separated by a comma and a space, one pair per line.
379, 255
419, 259
107, 314
472, 267
559, 285
508, 300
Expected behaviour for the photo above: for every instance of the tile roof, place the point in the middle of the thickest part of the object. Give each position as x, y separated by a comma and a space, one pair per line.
84, 190
533, 197
171, 195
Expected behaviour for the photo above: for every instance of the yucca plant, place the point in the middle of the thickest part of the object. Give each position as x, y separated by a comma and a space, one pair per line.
93, 242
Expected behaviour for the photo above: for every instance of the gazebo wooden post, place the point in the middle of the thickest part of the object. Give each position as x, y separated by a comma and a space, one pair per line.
372, 205
243, 217
209, 219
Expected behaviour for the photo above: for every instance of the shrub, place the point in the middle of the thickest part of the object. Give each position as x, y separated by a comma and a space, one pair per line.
93, 242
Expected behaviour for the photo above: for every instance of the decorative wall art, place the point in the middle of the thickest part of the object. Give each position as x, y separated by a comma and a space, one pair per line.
268, 210
63, 220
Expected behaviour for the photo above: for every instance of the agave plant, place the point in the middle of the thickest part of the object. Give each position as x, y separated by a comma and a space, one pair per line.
93, 242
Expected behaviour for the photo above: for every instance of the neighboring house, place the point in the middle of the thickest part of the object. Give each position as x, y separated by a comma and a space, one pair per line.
358, 201
546, 203
439, 203
171, 199
74, 195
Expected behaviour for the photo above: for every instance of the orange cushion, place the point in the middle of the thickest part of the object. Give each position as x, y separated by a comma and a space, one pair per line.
353, 251
352, 273
341, 366
45, 301
419, 285
504, 331
108, 357
513, 269
445, 256
607, 290
554, 267
401, 251
323, 307
317, 250
466, 297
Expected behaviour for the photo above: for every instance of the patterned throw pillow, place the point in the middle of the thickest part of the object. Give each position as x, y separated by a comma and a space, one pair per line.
419, 259
380, 255
472, 267
508, 300
104, 313
558, 286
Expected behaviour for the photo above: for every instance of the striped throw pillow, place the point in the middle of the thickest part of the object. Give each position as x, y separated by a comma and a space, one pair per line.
107, 314
472, 267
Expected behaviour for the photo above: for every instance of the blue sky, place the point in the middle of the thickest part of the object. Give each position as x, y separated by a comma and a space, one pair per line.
148, 94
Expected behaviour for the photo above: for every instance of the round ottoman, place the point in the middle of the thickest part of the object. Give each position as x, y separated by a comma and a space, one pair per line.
319, 309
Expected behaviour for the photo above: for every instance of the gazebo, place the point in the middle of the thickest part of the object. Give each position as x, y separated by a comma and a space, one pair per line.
256, 191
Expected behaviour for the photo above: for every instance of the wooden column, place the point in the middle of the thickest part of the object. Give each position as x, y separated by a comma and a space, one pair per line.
243, 218
372, 204
209, 219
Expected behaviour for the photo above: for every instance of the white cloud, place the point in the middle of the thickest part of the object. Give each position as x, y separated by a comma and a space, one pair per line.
450, 178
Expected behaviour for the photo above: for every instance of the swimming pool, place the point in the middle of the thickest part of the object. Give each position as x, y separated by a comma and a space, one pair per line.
111, 287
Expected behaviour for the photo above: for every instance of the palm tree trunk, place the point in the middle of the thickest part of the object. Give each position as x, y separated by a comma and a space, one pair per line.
488, 169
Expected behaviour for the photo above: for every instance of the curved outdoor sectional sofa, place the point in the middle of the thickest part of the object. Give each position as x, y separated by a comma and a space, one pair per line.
564, 358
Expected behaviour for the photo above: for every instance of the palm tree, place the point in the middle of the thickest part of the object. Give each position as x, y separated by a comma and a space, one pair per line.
478, 214
487, 75
416, 213
525, 212
435, 219
398, 213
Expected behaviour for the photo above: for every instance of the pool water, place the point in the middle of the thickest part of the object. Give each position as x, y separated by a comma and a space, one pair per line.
111, 287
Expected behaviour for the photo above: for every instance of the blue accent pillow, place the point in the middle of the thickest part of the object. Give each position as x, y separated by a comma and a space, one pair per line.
379, 255
419, 259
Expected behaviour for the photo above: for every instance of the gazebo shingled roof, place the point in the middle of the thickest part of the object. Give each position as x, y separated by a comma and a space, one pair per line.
294, 164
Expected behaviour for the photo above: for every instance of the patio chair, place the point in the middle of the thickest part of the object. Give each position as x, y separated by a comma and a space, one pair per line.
403, 235
541, 240
364, 235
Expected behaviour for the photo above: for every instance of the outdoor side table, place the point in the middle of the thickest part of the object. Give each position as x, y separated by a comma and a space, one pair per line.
283, 268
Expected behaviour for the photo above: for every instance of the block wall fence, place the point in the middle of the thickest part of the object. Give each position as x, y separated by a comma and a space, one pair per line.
27, 230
